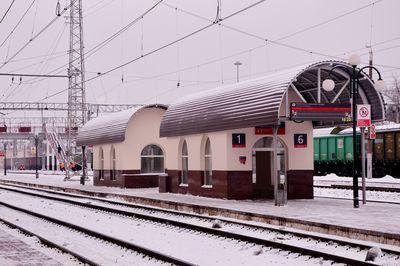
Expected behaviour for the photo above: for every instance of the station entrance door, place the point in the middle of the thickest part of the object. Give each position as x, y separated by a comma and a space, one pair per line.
262, 167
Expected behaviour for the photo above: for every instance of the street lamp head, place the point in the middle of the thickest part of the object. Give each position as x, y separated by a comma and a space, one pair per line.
354, 59
328, 85
380, 85
237, 63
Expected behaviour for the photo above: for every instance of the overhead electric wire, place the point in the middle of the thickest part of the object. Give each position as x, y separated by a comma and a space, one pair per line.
99, 46
277, 41
87, 14
164, 46
41, 66
178, 40
5, 14
329, 20
36, 35
57, 54
19, 22
259, 37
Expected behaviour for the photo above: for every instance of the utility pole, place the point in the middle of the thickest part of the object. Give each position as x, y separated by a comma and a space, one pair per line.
76, 73
369, 142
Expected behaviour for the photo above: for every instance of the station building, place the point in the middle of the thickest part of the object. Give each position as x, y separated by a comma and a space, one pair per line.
237, 141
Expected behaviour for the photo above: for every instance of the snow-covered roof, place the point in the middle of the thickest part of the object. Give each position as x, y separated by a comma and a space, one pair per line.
322, 132
258, 102
380, 127
108, 128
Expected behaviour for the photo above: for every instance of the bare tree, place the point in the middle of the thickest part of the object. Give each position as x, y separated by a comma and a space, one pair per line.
392, 95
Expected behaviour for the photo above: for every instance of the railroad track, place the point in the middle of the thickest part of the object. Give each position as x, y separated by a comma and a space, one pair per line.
368, 188
345, 193
128, 253
292, 244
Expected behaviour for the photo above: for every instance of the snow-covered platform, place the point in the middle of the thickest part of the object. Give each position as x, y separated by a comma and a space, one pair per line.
13, 251
378, 222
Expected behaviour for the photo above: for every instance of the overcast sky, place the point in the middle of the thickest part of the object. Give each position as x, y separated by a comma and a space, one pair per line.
297, 32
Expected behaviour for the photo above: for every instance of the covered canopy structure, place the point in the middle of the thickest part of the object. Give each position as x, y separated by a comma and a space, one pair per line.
110, 128
259, 102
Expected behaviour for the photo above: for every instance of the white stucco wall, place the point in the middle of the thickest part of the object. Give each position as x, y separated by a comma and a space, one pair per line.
195, 144
143, 129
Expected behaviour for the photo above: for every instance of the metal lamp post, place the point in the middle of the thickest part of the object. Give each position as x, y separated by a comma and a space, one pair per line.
36, 155
354, 75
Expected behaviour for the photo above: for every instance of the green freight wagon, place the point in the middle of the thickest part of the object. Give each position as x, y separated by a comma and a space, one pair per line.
333, 153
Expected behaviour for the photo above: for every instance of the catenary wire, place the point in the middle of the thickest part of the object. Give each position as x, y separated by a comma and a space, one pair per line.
99, 46
36, 35
18, 23
8, 9
163, 47
262, 38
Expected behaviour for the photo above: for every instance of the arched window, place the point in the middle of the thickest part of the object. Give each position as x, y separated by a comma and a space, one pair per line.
207, 164
152, 159
113, 164
185, 164
101, 163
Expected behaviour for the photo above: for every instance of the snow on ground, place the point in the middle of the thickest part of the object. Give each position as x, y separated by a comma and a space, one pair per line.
334, 177
372, 216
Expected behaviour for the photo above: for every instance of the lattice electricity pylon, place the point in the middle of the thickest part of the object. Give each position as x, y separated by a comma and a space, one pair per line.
76, 70
76, 73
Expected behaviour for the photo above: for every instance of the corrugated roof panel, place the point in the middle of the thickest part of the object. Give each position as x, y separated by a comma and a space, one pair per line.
108, 128
257, 102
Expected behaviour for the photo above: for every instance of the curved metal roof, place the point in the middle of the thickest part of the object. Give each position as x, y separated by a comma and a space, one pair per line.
109, 128
258, 102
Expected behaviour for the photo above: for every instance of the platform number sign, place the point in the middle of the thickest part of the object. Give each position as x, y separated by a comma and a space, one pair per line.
300, 140
238, 140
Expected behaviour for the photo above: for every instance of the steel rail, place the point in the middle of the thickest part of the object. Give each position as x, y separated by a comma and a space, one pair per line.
50, 243
369, 188
102, 198
192, 215
245, 238
122, 243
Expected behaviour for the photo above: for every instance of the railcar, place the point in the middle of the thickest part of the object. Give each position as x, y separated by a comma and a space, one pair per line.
333, 151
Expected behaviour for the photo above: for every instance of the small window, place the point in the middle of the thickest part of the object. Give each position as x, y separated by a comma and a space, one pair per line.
185, 164
152, 160
113, 176
101, 163
207, 164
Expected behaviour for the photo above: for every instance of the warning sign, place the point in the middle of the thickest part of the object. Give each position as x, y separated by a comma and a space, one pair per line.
363, 115
372, 132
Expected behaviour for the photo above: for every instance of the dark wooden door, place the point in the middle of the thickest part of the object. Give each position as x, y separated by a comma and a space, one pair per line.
263, 188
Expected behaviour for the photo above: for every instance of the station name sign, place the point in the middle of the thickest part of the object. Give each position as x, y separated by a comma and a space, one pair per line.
320, 112
267, 130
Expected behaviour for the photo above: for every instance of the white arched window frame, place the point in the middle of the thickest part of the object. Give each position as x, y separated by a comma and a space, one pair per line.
152, 160
185, 164
101, 163
113, 163
207, 164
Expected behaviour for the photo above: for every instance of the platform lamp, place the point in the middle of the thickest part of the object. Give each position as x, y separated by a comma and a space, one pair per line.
36, 155
354, 76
